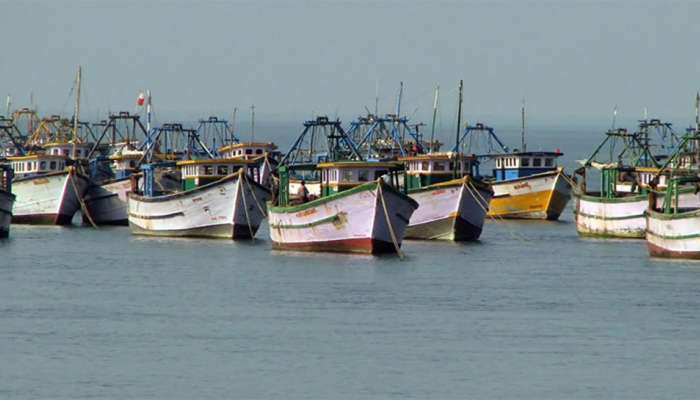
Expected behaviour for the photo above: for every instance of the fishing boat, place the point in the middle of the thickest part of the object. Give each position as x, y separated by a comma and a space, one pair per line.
7, 199
616, 209
219, 200
358, 212
673, 225
358, 209
526, 184
453, 202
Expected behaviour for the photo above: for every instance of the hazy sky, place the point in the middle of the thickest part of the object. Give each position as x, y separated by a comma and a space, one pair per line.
572, 61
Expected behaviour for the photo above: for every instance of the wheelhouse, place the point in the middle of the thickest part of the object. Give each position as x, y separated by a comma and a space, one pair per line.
37, 164
521, 164
248, 150
427, 169
343, 175
196, 173
66, 149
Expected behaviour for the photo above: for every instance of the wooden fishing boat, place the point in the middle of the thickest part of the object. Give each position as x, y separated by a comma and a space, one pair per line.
350, 216
617, 209
218, 200
452, 203
47, 191
7, 199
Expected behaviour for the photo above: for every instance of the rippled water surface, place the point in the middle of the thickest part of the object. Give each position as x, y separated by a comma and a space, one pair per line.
532, 311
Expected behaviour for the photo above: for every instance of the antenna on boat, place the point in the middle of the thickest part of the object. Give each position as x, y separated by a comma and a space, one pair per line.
9, 105
233, 124
697, 112
459, 113
522, 127
398, 102
252, 123
435, 108
614, 117
376, 97
76, 117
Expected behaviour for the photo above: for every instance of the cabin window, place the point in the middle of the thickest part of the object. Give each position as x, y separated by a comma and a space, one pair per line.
42, 165
363, 175
548, 162
425, 166
208, 170
347, 175
52, 165
132, 164
537, 162
222, 170
524, 162
438, 166
249, 151
258, 151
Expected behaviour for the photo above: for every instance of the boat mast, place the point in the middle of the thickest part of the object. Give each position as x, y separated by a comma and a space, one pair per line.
459, 113
398, 103
376, 97
697, 112
614, 117
76, 117
252, 123
522, 128
233, 124
148, 110
435, 108
9, 105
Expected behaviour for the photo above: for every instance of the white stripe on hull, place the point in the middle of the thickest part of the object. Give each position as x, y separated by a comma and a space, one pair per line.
214, 210
48, 195
621, 219
677, 237
336, 224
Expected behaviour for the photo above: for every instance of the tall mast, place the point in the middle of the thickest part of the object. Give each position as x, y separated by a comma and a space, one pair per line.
148, 111
697, 112
76, 116
9, 105
376, 97
233, 124
522, 127
398, 103
614, 117
435, 108
252, 124
459, 113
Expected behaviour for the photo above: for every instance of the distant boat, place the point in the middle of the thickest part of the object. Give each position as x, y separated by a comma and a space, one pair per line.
7, 199
218, 200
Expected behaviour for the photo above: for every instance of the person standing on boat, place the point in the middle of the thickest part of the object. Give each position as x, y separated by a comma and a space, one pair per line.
303, 192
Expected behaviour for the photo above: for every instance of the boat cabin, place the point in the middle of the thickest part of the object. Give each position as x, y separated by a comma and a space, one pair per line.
37, 164
66, 149
427, 169
248, 150
342, 175
521, 164
126, 163
196, 173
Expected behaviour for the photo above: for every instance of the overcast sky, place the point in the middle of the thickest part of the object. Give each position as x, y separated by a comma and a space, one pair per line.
572, 61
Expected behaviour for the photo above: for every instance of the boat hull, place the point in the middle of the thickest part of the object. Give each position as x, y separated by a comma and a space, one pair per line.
621, 217
453, 210
7, 200
541, 196
231, 208
48, 199
673, 235
352, 221
107, 203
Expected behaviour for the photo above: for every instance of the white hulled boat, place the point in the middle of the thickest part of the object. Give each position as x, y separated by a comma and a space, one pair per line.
219, 200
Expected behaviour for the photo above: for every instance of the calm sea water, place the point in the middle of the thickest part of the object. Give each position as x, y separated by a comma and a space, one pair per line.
531, 311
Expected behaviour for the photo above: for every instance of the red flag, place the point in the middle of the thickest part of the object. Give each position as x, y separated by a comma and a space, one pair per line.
141, 99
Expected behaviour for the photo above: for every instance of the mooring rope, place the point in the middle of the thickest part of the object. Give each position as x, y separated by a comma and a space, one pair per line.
241, 190
257, 202
388, 220
83, 206
512, 233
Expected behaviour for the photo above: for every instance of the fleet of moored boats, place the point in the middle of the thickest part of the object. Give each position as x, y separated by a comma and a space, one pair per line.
362, 190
